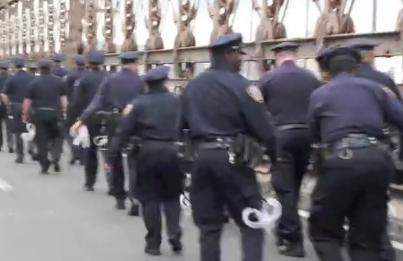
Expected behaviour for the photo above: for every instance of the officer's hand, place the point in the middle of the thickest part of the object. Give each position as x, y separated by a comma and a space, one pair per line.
107, 168
75, 127
25, 118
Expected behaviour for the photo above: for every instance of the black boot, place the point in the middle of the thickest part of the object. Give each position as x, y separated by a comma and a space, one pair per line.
56, 167
152, 251
19, 159
88, 188
10, 150
45, 167
134, 210
120, 204
292, 249
176, 245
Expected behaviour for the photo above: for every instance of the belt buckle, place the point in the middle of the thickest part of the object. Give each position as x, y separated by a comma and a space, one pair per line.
345, 153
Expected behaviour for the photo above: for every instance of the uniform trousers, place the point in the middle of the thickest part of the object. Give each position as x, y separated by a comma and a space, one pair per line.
353, 188
293, 150
217, 185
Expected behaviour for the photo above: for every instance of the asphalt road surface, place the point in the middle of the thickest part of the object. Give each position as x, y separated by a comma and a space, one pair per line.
51, 218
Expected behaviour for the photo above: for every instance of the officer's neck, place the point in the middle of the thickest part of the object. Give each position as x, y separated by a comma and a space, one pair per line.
157, 87
220, 64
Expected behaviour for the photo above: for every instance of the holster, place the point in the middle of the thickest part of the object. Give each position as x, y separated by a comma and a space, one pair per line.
133, 147
247, 151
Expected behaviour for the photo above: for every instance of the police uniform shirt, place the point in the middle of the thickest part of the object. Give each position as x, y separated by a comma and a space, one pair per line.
17, 86
60, 71
286, 91
72, 80
3, 79
368, 72
115, 92
220, 102
45, 91
87, 87
150, 116
350, 104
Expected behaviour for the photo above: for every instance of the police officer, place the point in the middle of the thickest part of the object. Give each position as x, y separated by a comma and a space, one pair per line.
47, 97
84, 92
72, 81
4, 66
152, 118
58, 69
286, 91
114, 94
321, 60
33, 69
366, 70
15, 90
219, 105
347, 116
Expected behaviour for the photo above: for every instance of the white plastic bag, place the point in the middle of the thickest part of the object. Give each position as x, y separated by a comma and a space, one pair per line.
82, 138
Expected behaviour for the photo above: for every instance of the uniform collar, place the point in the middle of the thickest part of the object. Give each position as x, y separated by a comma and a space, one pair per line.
219, 64
288, 63
366, 66
343, 75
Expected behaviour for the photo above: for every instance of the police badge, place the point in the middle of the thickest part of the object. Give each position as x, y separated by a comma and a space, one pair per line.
255, 93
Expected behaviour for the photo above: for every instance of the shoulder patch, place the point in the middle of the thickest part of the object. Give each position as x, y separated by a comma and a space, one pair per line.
128, 109
255, 93
389, 92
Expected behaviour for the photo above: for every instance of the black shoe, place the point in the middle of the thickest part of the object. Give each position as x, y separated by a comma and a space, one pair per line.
120, 204
45, 168
110, 192
134, 210
19, 160
152, 251
10, 150
34, 157
89, 188
56, 167
72, 161
176, 245
292, 249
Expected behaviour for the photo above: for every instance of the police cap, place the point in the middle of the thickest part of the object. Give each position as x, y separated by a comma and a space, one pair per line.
286, 46
346, 52
80, 60
322, 56
157, 74
130, 56
45, 64
96, 57
58, 58
228, 41
19, 61
361, 44
4, 65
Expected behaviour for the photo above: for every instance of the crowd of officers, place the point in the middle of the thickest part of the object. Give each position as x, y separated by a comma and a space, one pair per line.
216, 124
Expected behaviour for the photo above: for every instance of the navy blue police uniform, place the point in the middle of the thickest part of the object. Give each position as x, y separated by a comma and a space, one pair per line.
4, 75
367, 71
84, 92
217, 106
58, 70
152, 118
347, 116
16, 88
114, 94
72, 81
46, 92
286, 91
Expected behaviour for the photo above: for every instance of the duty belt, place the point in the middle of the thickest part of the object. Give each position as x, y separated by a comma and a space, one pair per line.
296, 126
222, 143
345, 147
